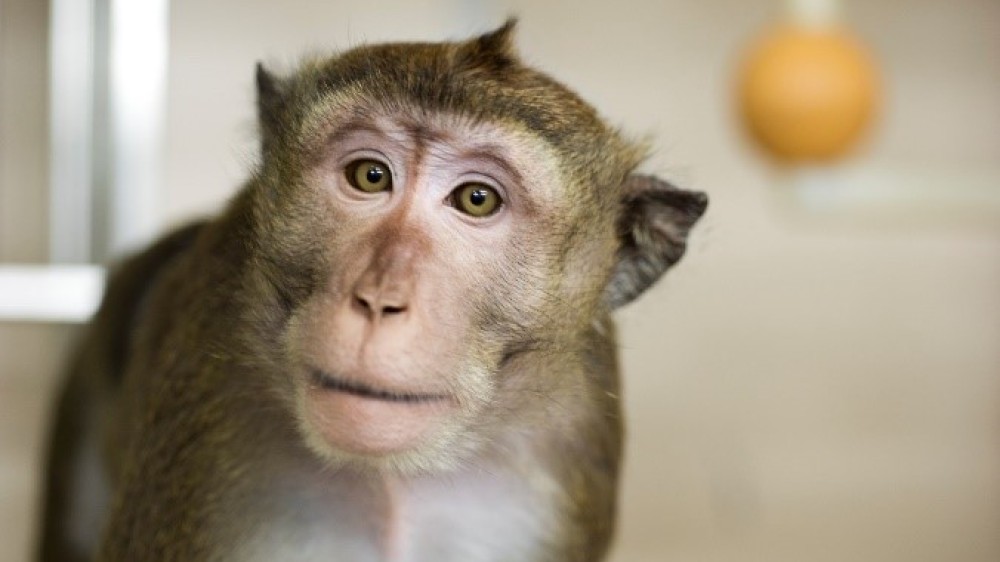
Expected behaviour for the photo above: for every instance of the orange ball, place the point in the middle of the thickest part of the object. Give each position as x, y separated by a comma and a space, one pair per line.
808, 94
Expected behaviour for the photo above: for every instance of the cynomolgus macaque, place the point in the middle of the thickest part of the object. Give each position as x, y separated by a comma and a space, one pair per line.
396, 341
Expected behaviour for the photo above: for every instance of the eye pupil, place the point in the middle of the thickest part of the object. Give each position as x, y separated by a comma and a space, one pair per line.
478, 197
374, 174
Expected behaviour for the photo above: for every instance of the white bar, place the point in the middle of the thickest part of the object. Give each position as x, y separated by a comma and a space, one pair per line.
49, 293
138, 75
915, 187
71, 99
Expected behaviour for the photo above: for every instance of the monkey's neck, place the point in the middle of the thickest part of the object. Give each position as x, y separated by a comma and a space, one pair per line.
461, 516
471, 514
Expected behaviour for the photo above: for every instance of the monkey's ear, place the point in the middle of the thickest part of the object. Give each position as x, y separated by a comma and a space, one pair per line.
652, 229
270, 102
494, 49
501, 40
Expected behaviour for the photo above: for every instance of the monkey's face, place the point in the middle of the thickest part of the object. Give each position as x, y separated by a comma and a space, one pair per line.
443, 228
445, 247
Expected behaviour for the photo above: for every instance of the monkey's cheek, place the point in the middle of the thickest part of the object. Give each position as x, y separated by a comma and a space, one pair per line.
371, 426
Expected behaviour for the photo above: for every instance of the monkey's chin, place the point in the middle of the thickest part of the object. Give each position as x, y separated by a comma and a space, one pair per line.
357, 422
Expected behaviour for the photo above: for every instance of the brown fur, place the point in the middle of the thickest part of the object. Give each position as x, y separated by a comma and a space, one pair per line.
195, 346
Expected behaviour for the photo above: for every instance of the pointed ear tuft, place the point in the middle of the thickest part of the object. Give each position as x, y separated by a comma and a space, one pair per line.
270, 104
653, 229
494, 49
500, 41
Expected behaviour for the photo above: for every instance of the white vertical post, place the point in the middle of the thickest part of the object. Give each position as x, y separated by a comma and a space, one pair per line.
138, 72
71, 99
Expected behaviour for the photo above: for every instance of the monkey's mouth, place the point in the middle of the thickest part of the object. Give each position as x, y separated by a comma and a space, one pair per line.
327, 381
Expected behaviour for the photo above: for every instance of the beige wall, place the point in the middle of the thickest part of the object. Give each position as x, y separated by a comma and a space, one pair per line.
29, 354
23, 130
806, 385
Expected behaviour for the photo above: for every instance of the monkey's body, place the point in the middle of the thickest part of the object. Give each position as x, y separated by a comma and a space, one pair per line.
255, 493
360, 361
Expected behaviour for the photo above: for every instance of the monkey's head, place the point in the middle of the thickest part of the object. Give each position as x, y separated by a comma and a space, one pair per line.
427, 216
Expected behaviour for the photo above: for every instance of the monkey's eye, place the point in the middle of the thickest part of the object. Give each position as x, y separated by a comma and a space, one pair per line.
476, 199
370, 176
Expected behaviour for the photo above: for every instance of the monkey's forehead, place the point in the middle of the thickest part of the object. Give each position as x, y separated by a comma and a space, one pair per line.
443, 76
421, 133
353, 108
407, 122
437, 77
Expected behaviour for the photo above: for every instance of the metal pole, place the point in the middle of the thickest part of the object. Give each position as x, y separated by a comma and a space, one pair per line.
71, 98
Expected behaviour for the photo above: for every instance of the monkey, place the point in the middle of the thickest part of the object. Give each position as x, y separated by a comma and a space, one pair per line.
395, 342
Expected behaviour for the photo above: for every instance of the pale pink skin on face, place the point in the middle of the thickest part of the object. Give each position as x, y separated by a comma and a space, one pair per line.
368, 426
394, 326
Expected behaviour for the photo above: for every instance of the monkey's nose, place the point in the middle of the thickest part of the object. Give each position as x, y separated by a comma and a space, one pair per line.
378, 305
385, 288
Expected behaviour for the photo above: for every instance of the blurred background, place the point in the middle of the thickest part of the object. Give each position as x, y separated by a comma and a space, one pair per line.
818, 380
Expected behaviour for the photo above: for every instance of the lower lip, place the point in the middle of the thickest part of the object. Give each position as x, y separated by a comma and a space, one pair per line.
369, 425
334, 384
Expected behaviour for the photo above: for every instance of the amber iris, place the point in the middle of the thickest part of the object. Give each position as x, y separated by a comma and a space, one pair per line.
476, 199
370, 176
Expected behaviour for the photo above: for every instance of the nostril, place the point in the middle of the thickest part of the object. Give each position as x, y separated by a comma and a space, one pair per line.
372, 308
387, 310
362, 304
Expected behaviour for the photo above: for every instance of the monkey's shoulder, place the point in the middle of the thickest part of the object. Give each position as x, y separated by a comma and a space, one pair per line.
127, 293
